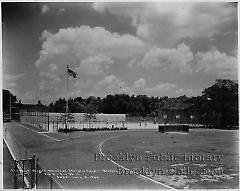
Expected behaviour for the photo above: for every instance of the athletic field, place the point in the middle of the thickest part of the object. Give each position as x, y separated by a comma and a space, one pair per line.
135, 158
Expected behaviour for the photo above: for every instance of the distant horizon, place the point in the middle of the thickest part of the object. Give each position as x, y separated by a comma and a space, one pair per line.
104, 96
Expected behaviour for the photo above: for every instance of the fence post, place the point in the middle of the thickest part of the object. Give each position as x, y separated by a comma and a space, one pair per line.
48, 121
36, 173
33, 171
51, 182
23, 169
57, 123
33, 118
45, 121
15, 174
37, 119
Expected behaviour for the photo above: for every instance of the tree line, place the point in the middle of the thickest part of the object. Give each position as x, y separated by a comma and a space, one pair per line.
217, 106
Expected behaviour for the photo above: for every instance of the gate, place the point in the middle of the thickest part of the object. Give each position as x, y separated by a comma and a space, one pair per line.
25, 173
28, 174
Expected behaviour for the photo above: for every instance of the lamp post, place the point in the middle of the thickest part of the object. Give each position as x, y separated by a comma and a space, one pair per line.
165, 119
208, 99
178, 118
191, 117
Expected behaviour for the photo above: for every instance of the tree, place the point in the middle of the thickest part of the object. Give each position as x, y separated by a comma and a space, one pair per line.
58, 106
90, 114
6, 101
221, 101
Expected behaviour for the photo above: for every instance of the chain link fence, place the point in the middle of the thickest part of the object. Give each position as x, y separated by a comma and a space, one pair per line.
53, 122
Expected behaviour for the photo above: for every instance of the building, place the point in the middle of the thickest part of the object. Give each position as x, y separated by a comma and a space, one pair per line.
32, 107
175, 112
21, 108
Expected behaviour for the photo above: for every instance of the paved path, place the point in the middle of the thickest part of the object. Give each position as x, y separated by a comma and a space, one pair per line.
76, 152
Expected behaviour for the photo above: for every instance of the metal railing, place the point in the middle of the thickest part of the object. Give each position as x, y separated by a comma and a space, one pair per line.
28, 172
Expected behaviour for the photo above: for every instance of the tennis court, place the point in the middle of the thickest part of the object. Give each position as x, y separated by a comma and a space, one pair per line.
133, 158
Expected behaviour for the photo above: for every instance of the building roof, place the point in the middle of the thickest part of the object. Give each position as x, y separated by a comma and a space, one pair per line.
37, 106
176, 106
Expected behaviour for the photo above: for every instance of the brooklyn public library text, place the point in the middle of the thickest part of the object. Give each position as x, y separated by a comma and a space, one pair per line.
132, 157
151, 156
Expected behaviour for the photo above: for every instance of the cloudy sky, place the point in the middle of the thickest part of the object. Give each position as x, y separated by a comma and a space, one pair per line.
157, 49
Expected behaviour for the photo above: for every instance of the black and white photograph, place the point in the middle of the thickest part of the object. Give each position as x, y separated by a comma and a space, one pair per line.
119, 95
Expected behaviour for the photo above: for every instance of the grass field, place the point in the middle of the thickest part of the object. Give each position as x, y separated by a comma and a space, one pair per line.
139, 158
175, 153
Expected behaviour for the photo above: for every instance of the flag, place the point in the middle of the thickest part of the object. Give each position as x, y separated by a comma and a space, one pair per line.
71, 73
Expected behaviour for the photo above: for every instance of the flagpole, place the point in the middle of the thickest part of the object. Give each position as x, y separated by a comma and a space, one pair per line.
66, 125
10, 112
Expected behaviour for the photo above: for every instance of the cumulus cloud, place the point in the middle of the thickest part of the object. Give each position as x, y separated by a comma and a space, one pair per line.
139, 86
217, 63
94, 65
33, 96
115, 85
10, 81
88, 51
45, 35
94, 52
169, 89
77, 44
45, 8
61, 10
161, 89
189, 92
178, 58
166, 24
112, 85
53, 67
29, 97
